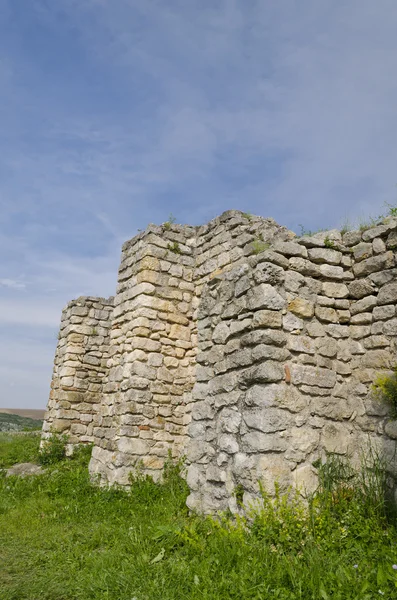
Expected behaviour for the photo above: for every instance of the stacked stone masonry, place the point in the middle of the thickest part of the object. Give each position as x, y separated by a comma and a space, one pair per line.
248, 349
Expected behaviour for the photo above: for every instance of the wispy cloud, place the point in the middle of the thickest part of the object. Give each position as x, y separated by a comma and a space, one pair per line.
115, 114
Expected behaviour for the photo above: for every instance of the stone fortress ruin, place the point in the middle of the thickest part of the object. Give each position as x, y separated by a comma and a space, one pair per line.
247, 349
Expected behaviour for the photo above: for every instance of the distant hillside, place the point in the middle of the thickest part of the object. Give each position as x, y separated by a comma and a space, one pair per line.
15, 422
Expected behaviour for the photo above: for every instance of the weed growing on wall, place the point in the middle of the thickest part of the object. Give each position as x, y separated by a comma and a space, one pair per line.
174, 247
171, 220
259, 246
385, 387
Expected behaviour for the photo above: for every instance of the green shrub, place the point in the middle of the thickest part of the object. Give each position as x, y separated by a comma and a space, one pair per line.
174, 247
385, 386
53, 449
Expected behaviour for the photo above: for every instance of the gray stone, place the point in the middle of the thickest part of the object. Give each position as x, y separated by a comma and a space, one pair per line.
332, 272
325, 255
376, 263
351, 238
269, 420
359, 289
264, 336
335, 290
290, 249
292, 322
381, 313
361, 319
301, 343
336, 438
388, 294
378, 246
326, 314
312, 376
362, 251
265, 296
25, 469
390, 327
327, 347
391, 241
378, 231
305, 267
267, 372
228, 443
363, 305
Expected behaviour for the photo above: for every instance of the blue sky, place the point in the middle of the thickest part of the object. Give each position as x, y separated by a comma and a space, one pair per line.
115, 113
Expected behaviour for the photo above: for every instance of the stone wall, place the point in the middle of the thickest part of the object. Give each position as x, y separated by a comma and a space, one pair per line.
290, 343
249, 349
80, 367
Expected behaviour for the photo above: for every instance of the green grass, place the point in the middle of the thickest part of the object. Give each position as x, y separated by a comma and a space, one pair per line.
18, 448
63, 539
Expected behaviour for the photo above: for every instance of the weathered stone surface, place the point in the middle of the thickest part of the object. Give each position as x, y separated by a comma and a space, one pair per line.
24, 470
363, 305
329, 315
376, 263
388, 294
335, 290
301, 343
265, 296
360, 288
325, 256
302, 308
362, 251
267, 318
312, 376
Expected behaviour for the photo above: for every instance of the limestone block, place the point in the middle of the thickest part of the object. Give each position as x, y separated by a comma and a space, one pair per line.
378, 231
290, 249
376, 263
228, 443
264, 336
267, 372
267, 318
305, 480
272, 468
269, 420
293, 281
363, 305
302, 441
362, 251
391, 241
315, 329
336, 437
388, 294
376, 341
381, 313
359, 331
361, 319
265, 296
267, 352
267, 272
325, 255
312, 376
302, 308
389, 327
301, 343
360, 288
326, 314
378, 246
327, 347
305, 267
335, 290
256, 441
291, 322
351, 238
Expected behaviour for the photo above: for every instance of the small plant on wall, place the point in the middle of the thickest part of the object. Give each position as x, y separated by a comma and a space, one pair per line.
385, 387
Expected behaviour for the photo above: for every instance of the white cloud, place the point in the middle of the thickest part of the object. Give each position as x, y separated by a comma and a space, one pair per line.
13, 284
